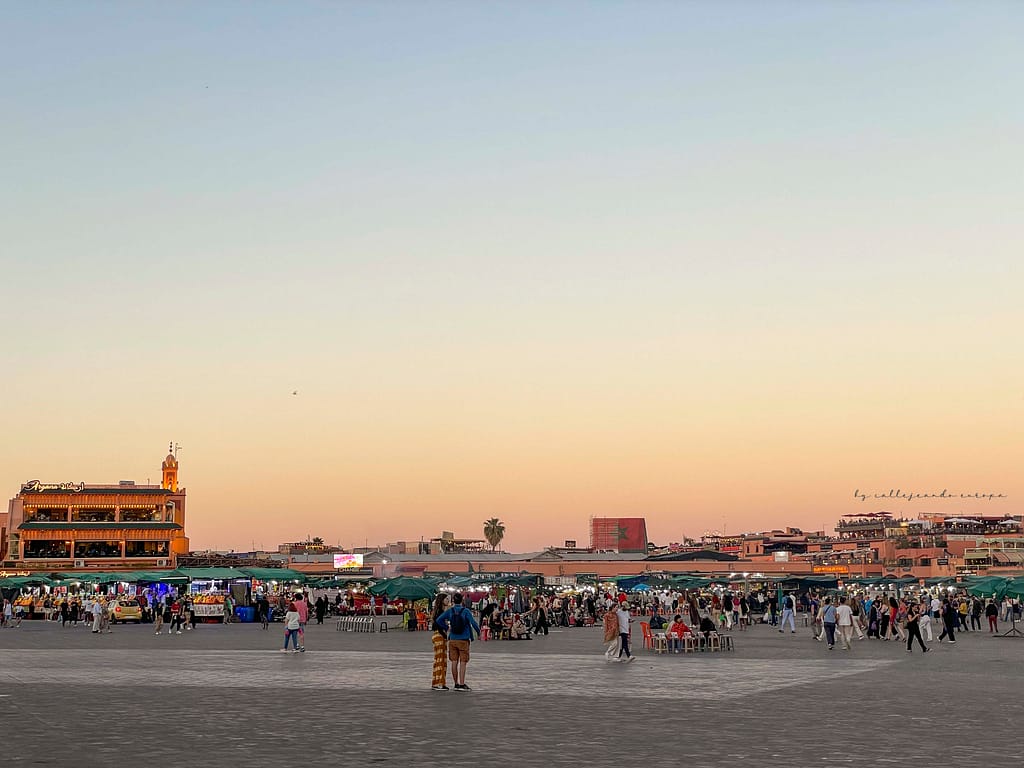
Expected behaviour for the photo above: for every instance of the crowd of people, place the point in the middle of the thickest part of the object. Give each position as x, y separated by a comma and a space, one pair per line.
907, 618
836, 619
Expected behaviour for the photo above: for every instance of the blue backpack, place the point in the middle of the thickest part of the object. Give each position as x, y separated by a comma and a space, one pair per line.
457, 623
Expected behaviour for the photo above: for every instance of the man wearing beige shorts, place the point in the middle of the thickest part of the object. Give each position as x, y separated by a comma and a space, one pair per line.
458, 623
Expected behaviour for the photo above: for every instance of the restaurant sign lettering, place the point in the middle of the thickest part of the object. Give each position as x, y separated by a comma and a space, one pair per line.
35, 486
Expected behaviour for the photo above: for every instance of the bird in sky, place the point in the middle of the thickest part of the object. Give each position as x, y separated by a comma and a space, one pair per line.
295, 392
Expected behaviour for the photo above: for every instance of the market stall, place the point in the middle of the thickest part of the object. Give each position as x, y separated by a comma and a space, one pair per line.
209, 589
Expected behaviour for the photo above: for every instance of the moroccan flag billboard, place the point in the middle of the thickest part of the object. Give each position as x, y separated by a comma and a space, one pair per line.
618, 534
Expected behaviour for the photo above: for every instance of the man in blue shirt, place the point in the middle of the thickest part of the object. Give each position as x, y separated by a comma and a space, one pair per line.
458, 624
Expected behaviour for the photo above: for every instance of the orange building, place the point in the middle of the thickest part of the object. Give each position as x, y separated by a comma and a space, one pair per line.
79, 527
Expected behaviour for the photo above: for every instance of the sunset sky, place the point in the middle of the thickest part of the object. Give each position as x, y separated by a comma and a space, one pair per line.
718, 265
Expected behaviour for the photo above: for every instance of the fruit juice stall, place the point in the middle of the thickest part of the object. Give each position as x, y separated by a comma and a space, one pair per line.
209, 587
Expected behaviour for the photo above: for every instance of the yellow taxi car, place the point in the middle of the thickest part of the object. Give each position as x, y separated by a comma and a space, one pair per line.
125, 609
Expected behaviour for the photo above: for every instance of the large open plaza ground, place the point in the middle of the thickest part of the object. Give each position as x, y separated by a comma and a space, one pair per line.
224, 696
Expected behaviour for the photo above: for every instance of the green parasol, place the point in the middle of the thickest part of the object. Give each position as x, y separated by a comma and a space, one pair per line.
405, 588
989, 586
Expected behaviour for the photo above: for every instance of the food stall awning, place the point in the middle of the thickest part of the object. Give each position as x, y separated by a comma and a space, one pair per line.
986, 586
336, 582
274, 574
93, 577
15, 582
154, 577
405, 588
213, 574
691, 582
820, 580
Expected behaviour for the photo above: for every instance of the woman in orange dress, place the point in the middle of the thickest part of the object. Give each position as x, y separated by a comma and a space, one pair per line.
440, 638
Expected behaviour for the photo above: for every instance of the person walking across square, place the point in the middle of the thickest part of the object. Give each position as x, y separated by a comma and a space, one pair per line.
788, 614
844, 618
611, 634
828, 622
291, 629
992, 613
624, 620
302, 607
949, 615
924, 622
914, 629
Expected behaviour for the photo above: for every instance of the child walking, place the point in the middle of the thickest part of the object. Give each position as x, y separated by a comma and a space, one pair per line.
291, 629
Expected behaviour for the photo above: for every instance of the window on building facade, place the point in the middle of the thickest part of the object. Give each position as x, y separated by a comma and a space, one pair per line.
47, 515
98, 549
47, 549
140, 515
93, 515
146, 548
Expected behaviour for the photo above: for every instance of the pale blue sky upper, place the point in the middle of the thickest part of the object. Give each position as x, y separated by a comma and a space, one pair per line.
616, 149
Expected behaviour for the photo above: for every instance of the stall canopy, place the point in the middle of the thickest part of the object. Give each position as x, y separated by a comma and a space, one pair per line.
16, 582
154, 577
522, 580
128, 577
274, 574
213, 574
628, 583
988, 586
691, 582
1014, 588
405, 588
643, 582
882, 581
90, 578
823, 581
336, 582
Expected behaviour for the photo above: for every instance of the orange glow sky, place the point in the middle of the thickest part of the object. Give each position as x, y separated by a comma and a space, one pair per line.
716, 275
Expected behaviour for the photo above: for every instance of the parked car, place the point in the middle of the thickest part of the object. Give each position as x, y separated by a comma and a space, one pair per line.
125, 609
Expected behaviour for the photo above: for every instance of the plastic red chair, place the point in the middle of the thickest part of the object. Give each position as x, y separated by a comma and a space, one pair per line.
648, 637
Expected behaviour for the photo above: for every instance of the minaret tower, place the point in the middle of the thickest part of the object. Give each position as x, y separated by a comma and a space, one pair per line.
170, 470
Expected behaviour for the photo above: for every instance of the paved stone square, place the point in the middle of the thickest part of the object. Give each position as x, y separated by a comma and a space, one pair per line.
225, 696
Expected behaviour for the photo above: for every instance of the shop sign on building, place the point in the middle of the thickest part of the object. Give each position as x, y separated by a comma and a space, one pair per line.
208, 610
35, 486
843, 569
560, 581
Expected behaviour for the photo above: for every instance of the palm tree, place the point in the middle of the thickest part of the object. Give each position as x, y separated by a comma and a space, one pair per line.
318, 540
494, 532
